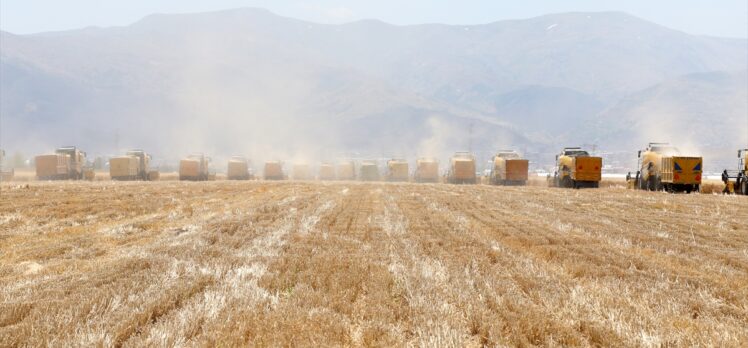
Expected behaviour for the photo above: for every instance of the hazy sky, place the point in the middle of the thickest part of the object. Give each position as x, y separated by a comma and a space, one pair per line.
709, 17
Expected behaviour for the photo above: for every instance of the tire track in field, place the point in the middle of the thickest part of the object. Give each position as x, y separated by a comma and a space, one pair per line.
236, 277
435, 318
497, 298
591, 293
169, 265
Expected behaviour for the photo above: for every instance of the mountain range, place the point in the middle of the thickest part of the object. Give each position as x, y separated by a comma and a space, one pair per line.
247, 81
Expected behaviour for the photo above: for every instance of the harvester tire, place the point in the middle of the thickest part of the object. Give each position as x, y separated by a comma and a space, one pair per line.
744, 187
651, 184
658, 184
566, 182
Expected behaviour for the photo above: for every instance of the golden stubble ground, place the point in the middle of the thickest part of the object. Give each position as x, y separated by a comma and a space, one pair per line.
351, 264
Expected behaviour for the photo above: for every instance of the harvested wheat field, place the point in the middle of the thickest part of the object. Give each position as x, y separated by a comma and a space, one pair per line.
351, 264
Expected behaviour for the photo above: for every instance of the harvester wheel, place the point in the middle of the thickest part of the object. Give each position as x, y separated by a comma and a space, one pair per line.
658, 184
744, 187
651, 184
567, 182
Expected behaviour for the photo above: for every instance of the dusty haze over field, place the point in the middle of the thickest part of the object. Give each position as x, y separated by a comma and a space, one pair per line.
249, 82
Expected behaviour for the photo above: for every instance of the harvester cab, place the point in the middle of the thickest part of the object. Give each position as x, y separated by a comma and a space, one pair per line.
507, 154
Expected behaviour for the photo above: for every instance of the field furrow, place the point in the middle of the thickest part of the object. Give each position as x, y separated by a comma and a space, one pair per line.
354, 264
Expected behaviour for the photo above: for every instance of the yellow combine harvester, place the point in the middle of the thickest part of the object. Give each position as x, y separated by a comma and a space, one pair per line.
662, 168
740, 186
369, 171
346, 170
326, 171
133, 166
238, 169
67, 163
194, 168
123, 168
274, 171
575, 168
427, 170
301, 171
397, 170
509, 169
462, 169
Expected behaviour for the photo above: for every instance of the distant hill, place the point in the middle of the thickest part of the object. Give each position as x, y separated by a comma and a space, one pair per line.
704, 114
247, 81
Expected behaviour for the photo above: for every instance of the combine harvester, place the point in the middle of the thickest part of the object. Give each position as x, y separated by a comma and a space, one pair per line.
346, 170
577, 169
662, 168
427, 170
274, 171
301, 172
135, 165
369, 171
194, 168
742, 177
397, 170
462, 169
326, 171
5, 175
238, 169
67, 163
508, 168
740, 185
